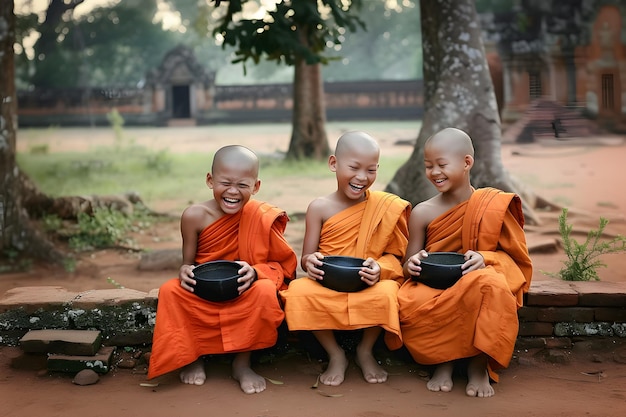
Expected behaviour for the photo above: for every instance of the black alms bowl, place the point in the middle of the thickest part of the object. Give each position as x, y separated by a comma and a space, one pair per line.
441, 270
341, 273
217, 280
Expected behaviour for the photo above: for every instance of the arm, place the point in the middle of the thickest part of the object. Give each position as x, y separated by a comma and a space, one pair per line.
418, 222
191, 224
311, 258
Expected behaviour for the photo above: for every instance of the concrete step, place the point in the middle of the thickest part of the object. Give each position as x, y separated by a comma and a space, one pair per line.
69, 342
100, 362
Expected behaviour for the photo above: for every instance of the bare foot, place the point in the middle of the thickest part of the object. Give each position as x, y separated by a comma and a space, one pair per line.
336, 371
478, 379
442, 378
249, 381
193, 373
372, 372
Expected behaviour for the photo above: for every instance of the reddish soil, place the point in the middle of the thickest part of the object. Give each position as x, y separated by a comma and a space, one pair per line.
581, 174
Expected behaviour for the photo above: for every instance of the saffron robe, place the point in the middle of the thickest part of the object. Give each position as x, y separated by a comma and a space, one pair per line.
377, 228
188, 327
478, 314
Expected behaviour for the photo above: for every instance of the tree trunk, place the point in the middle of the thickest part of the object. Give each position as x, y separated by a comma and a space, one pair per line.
308, 138
458, 92
16, 231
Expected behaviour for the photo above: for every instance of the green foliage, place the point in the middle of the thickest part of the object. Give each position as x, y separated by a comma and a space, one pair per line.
105, 228
296, 29
114, 283
159, 161
582, 258
14, 260
41, 149
51, 222
117, 123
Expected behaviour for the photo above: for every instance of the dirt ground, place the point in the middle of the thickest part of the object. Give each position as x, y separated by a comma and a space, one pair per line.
582, 174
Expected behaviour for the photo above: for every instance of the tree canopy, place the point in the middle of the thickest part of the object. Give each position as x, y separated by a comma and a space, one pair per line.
116, 43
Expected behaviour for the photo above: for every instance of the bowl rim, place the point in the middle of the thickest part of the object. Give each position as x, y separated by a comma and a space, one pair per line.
345, 257
425, 260
216, 262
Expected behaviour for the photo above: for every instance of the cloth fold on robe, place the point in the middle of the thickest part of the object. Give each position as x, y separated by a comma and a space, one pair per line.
188, 327
377, 228
479, 313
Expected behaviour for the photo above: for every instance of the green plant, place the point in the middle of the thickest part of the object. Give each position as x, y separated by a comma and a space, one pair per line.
51, 222
104, 228
117, 123
583, 258
159, 161
114, 283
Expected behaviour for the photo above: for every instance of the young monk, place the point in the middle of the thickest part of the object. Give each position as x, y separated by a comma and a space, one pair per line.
476, 318
351, 221
231, 226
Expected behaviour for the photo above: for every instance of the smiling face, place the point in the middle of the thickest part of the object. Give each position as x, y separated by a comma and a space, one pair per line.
355, 164
448, 158
233, 178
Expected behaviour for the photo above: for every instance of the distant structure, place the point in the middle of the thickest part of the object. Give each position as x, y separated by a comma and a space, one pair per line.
570, 53
180, 91
180, 88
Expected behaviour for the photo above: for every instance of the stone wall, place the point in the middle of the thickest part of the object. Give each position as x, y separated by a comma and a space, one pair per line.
556, 314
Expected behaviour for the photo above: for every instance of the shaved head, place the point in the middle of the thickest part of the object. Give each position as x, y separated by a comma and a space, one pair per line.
355, 141
236, 156
452, 139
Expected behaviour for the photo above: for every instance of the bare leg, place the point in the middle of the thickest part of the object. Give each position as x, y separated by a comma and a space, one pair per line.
249, 381
442, 378
193, 373
478, 378
337, 361
372, 372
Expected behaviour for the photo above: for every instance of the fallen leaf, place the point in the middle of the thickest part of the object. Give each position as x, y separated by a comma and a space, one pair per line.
324, 394
316, 382
273, 381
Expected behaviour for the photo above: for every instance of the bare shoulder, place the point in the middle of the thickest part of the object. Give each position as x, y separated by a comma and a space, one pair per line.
200, 215
427, 210
323, 207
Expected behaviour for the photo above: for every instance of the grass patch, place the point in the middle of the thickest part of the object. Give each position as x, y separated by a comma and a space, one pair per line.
158, 175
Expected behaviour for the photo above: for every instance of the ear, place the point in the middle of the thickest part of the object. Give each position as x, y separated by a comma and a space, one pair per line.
469, 162
209, 180
257, 186
332, 163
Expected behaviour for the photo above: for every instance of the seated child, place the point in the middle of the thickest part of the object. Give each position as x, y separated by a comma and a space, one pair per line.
476, 318
351, 221
231, 226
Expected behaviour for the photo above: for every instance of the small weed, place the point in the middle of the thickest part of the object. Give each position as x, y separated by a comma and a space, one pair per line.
117, 123
582, 258
51, 222
114, 283
105, 228
41, 149
160, 162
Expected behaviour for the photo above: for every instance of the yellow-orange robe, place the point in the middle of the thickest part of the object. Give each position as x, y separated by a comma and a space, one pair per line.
377, 228
478, 313
188, 327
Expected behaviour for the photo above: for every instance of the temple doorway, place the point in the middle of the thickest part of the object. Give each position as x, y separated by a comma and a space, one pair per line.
181, 108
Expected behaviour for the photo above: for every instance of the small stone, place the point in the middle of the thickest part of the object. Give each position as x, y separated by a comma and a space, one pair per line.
127, 363
619, 355
524, 361
86, 377
596, 358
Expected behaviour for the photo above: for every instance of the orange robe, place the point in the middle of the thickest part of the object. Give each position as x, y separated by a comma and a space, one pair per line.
377, 228
188, 327
478, 313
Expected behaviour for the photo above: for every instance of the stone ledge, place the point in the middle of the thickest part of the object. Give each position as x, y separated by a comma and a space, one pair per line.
126, 317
